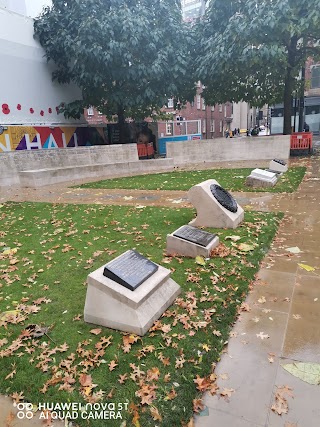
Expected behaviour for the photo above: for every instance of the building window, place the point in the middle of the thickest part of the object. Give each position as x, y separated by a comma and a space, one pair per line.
198, 102
225, 111
220, 127
212, 108
170, 103
212, 126
220, 108
204, 125
203, 104
90, 111
100, 114
315, 77
168, 128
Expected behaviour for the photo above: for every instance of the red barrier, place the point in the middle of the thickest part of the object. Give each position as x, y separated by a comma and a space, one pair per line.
145, 151
301, 141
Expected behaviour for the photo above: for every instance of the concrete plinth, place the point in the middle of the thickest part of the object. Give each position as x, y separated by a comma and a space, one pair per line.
210, 213
178, 246
278, 167
261, 178
114, 306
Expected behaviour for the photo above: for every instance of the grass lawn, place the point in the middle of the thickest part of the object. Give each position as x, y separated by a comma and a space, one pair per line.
230, 179
46, 253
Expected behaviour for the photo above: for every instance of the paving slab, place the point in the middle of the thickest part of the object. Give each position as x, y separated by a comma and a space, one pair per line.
248, 369
304, 408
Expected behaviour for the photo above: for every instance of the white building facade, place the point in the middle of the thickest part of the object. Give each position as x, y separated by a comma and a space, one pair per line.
192, 9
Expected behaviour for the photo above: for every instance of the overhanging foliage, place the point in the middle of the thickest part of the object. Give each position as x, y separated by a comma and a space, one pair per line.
254, 50
127, 56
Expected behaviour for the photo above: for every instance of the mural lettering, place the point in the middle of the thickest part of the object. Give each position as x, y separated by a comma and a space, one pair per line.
6, 147
37, 138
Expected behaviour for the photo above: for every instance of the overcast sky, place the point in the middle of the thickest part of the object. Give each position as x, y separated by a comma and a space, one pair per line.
34, 7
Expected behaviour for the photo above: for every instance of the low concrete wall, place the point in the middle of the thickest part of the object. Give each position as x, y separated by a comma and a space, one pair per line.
41, 177
229, 149
13, 162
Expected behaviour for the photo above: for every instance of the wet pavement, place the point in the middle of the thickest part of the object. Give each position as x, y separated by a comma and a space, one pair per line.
282, 324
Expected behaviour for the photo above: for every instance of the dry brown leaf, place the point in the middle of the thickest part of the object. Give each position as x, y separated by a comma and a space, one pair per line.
190, 423
227, 392
17, 397
153, 374
198, 406
155, 414
122, 378
96, 331
171, 395
281, 404
147, 393
9, 419
11, 375
167, 378
244, 307
85, 380
112, 365
280, 407
202, 383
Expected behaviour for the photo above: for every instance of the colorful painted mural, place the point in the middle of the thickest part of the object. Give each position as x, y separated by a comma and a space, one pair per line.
42, 137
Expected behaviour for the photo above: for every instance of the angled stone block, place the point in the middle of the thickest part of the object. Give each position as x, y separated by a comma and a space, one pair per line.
215, 206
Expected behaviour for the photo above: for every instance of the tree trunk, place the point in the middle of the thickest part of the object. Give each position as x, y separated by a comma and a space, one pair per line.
301, 102
289, 86
287, 106
122, 125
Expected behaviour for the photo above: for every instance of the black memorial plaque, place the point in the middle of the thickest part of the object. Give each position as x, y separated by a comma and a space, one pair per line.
281, 162
224, 198
194, 235
130, 269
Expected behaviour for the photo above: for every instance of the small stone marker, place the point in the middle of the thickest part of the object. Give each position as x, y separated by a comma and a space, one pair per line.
129, 293
194, 235
130, 269
261, 178
215, 206
277, 165
191, 241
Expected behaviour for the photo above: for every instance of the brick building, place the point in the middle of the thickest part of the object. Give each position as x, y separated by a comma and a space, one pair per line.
197, 118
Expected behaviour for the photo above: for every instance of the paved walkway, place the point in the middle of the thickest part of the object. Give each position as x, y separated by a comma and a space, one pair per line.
284, 305
290, 314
